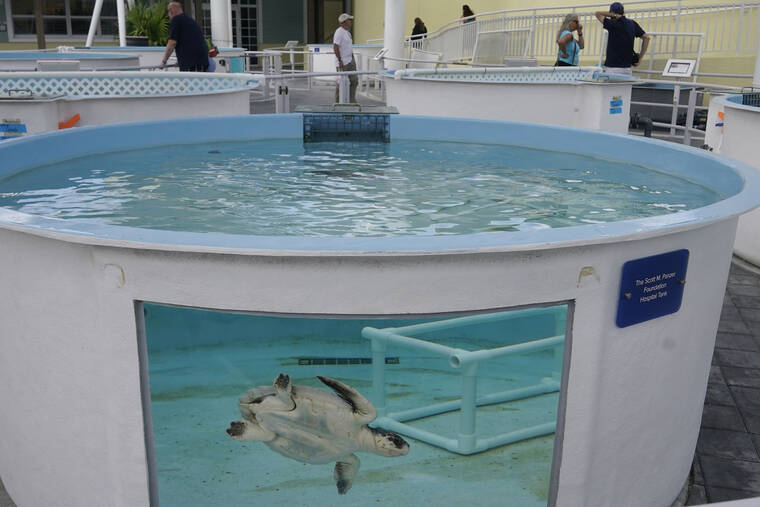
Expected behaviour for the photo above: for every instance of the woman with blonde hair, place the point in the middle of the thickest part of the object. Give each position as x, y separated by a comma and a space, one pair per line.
569, 47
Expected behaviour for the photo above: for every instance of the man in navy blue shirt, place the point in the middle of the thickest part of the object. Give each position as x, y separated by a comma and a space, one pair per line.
621, 33
186, 38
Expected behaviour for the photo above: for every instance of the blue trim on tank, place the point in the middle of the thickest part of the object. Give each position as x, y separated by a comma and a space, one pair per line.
41, 55
739, 183
142, 49
737, 102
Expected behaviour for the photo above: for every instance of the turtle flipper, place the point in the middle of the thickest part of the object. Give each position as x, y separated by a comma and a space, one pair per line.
344, 473
360, 405
249, 430
283, 389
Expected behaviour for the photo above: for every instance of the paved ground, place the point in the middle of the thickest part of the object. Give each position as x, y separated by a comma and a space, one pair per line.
727, 461
5, 500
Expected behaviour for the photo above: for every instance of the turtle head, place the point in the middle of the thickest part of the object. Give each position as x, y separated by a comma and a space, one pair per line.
388, 443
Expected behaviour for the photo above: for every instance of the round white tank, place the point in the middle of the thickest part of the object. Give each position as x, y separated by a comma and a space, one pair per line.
74, 376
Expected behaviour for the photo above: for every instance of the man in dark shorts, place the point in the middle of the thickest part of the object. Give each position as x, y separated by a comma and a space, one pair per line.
186, 38
621, 33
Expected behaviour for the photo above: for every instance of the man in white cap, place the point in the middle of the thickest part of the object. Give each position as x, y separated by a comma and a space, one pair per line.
343, 45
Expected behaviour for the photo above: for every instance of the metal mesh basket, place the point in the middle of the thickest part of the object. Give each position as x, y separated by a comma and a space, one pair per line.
751, 97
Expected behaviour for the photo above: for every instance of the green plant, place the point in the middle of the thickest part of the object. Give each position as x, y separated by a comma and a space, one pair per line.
151, 21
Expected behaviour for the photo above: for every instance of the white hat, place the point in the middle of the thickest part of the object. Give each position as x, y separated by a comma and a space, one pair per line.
343, 17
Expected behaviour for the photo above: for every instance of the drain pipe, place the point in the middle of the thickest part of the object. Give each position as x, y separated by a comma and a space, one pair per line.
395, 13
647, 126
643, 122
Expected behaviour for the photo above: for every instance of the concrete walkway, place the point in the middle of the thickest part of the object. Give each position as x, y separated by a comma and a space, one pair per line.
727, 461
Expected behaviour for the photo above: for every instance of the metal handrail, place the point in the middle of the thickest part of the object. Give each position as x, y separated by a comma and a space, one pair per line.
454, 40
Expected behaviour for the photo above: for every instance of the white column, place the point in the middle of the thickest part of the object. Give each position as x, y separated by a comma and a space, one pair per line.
221, 34
94, 22
395, 13
122, 21
756, 76
230, 40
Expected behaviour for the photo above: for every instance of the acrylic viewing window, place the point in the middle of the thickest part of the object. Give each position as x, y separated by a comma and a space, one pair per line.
249, 409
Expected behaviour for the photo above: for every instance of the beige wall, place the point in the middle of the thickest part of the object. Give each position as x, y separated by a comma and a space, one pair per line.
437, 13
370, 14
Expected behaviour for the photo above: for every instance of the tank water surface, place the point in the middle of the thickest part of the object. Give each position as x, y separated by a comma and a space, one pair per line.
290, 188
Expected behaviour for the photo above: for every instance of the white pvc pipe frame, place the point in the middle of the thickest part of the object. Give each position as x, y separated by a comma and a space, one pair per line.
467, 441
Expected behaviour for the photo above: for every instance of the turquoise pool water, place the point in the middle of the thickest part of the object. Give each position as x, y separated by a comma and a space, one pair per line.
288, 188
201, 361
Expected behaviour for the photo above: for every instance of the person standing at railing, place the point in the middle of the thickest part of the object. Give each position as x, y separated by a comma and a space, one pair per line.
419, 31
467, 14
621, 33
568, 46
186, 38
343, 47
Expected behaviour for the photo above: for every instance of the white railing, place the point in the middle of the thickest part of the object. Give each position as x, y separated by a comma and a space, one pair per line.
728, 27
121, 84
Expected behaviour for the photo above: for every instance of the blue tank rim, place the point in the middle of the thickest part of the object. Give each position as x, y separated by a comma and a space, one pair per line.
735, 101
141, 49
738, 182
42, 55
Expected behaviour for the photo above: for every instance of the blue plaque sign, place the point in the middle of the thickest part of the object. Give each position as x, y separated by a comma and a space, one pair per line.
651, 287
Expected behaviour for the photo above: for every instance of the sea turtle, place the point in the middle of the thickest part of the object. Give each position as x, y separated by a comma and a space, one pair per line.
314, 426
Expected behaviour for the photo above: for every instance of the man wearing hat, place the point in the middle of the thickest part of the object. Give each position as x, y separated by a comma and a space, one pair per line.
344, 58
621, 33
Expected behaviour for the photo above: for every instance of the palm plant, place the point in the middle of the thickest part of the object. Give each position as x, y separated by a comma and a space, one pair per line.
151, 21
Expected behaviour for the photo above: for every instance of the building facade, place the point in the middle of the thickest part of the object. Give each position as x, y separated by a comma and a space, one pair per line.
256, 24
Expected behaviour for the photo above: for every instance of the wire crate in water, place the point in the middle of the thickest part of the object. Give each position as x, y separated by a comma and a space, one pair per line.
751, 97
466, 363
346, 122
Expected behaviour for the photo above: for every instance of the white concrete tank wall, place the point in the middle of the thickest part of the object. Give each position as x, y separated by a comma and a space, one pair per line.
119, 97
36, 115
70, 367
740, 138
529, 95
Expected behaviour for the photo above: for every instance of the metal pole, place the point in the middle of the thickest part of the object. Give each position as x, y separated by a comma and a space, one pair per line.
39, 24
690, 116
94, 22
122, 23
674, 114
